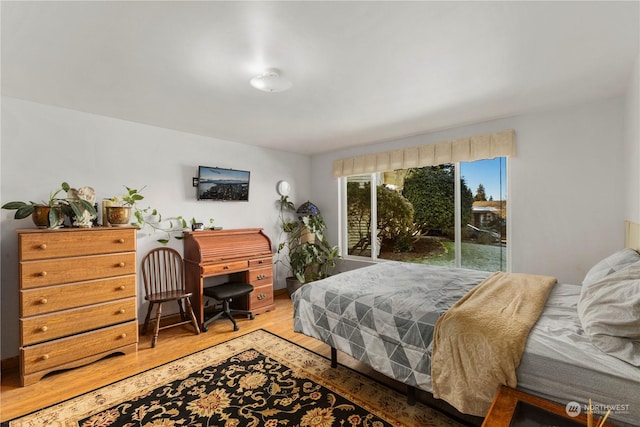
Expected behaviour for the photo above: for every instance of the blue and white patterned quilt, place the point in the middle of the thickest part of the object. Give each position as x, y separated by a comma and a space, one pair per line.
383, 315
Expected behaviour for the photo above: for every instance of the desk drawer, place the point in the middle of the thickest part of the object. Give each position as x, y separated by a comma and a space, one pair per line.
223, 268
64, 323
55, 353
61, 297
261, 276
260, 262
261, 296
34, 274
47, 245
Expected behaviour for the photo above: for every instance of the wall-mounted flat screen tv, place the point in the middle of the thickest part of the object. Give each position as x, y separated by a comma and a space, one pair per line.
223, 184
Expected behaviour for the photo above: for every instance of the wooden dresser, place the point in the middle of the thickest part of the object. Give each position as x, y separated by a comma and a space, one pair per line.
242, 254
77, 297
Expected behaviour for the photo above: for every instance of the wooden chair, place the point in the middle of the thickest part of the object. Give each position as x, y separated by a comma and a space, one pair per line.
162, 273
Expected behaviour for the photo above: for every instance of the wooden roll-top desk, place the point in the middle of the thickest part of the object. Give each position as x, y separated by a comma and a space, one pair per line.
242, 254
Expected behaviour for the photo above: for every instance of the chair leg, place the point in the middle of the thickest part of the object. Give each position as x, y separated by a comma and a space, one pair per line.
227, 313
247, 313
146, 319
154, 339
206, 323
183, 315
235, 325
194, 322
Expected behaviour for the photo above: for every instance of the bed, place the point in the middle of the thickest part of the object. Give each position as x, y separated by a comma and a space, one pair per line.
390, 326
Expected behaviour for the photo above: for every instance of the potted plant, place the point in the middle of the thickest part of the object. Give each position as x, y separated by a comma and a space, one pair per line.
51, 214
124, 210
119, 212
305, 249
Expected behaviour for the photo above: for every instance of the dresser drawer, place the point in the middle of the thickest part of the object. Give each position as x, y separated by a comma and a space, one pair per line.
261, 296
54, 353
61, 297
259, 262
34, 274
63, 323
261, 276
75, 242
229, 267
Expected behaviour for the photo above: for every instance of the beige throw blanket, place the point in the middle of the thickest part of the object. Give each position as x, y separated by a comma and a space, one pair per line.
478, 342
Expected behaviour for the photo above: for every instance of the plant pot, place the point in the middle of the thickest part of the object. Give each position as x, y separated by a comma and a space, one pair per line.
307, 236
293, 285
40, 216
118, 216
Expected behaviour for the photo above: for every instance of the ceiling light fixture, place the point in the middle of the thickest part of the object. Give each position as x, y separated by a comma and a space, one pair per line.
270, 81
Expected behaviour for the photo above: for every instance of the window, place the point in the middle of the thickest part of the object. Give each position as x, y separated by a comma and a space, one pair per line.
484, 233
452, 214
359, 215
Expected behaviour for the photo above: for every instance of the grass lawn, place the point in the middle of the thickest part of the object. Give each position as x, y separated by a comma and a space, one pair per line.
474, 256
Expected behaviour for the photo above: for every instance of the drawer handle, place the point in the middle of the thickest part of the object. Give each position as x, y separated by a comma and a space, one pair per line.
45, 357
121, 311
261, 296
261, 261
120, 240
226, 267
42, 274
43, 246
121, 288
44, 328
43, 301
261, 276
121, 264
123, 335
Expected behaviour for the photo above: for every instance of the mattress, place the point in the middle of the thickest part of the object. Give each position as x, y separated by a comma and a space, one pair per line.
383, 315
561, 364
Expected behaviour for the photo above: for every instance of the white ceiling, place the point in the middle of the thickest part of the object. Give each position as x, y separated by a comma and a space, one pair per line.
362, 72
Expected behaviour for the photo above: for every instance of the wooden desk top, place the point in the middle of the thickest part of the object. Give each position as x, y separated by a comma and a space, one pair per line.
214, 246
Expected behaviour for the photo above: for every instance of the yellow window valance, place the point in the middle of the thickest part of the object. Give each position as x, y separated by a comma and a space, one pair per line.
489, 146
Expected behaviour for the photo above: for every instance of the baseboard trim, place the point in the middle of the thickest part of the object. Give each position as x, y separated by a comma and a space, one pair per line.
9, 364
277, 292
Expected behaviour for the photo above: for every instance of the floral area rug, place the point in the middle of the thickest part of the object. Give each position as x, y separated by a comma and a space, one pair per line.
257, 379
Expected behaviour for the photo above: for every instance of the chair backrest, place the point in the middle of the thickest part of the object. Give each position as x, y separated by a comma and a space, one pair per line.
162, 271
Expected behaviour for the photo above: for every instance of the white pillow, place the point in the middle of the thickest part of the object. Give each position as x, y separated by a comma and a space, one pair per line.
609, 311
614, 262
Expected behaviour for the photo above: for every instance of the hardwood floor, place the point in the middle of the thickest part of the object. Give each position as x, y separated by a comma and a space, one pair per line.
172, 344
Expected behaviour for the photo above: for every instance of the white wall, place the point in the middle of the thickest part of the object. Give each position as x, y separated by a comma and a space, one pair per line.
567, 194
566, 190
632, 145
42, 146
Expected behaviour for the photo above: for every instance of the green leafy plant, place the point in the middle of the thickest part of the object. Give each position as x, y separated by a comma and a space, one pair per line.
68, 206
305, 248
130, 198
152, 219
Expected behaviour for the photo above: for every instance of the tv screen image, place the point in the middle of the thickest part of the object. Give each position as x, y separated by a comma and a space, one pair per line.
223, 184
